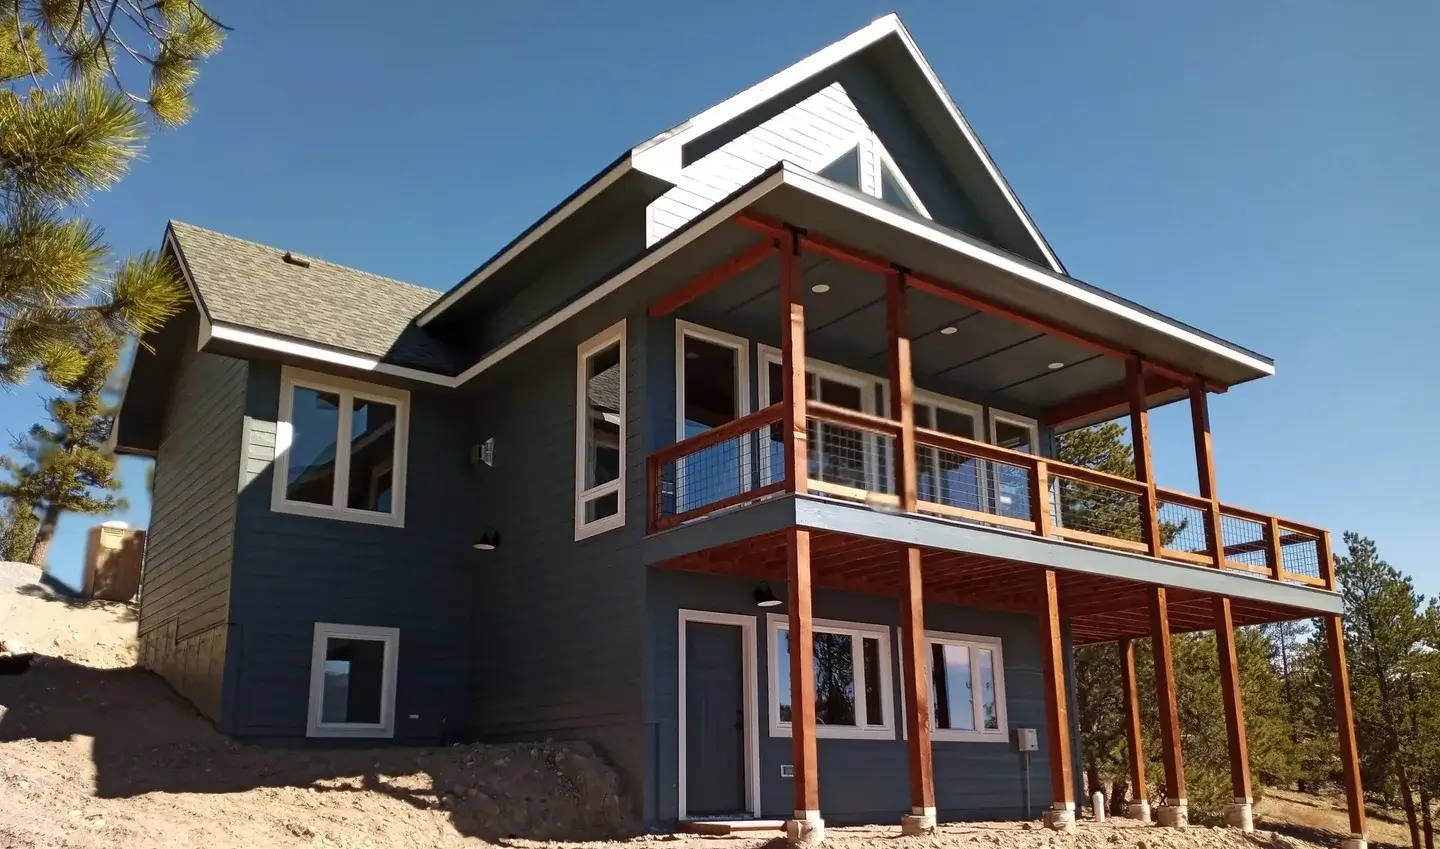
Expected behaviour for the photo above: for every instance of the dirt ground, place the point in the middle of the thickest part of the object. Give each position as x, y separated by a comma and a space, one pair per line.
95, 753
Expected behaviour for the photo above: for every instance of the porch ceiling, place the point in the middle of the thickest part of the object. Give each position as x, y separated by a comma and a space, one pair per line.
986, 358
1097, 608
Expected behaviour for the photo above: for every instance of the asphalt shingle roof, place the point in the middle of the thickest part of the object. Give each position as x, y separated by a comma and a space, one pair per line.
250, 285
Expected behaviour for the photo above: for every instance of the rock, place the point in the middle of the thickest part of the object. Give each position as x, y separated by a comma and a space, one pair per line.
458, 789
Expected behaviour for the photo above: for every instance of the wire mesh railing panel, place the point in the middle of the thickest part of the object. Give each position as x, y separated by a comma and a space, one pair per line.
1182, 527
717, 474
1244, 541
850, 458
1300, 553
968, 483
1095, 509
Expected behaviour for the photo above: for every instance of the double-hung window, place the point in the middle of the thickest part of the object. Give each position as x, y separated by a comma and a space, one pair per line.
340, 448
967, 687
600, 433
852, 679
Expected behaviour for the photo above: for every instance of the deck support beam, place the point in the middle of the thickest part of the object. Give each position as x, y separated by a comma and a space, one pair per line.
1061, 816
921, 819
1345, 720
1205, 473
1140, 442
1139, 807
1240, 814
1174, 810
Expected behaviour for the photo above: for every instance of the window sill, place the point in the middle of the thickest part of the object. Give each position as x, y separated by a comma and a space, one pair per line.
939, 736
840, 732
320, 511
599, 526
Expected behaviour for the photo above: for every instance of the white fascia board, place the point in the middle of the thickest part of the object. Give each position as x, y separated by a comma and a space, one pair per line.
282, 345
550, 222
661, 157
718, 215
1053, 281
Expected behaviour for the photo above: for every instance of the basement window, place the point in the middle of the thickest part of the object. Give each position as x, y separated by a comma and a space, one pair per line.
967, 687
852, 679
600, 434
352, 681
340, 448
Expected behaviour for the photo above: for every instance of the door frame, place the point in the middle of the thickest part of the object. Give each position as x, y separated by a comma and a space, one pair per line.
748, 701
741, 346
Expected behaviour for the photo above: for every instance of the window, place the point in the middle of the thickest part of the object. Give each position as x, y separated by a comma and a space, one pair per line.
1011, 484
944, 477
845, 169
852, 679
352, 681
340, 448
713, 371
967, 688
600, 434
895, 189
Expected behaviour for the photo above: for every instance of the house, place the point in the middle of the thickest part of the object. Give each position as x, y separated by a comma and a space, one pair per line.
765, 408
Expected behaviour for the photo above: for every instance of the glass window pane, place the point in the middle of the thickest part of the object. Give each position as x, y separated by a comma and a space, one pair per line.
845, 170
891, 191
954, 423
603, 402
874, 712
834, 678
988, 705
950, 677
712, 385
1016, 437
603, 507
354, 680
372, 455
315, 426
782, 673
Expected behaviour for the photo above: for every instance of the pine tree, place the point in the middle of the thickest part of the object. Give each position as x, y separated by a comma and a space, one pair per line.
63, 139
18, 525
67, 467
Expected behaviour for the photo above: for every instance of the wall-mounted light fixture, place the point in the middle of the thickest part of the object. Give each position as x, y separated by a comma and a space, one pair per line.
488, 541
765, 597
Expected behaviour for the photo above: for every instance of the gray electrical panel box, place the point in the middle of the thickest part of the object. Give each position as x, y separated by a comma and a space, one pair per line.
1026, 740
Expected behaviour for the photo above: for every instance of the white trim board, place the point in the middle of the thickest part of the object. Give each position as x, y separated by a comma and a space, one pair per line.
612, 335
885, 730
314, 725
749, 696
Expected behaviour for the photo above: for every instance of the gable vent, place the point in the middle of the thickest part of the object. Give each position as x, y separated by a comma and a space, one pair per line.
296, 259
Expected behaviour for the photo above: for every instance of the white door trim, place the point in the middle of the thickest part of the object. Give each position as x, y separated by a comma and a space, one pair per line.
741, 347
748, 700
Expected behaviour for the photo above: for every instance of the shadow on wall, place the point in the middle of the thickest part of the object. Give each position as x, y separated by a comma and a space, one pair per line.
148, 739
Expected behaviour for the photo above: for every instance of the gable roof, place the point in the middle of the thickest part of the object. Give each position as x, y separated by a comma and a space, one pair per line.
246, 286
898, 58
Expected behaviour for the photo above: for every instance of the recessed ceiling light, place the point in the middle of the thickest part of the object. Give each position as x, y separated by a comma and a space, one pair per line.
949, 331
1054, 366
820, 288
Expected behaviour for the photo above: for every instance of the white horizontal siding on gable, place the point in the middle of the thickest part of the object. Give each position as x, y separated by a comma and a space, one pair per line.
809, 134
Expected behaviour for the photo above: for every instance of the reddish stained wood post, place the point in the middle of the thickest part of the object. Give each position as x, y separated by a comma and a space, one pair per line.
792, 365
1205, 467
1239, 814
912, 600
802, 684
1139, 807
1174, 810
1345, 720
1040, 497
1327, 560
1140, 442
1061, 815
1274, 556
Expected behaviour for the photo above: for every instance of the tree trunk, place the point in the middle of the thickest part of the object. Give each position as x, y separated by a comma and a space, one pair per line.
1119, 790
44, 535
1407, 798
1092, 779
1425, 816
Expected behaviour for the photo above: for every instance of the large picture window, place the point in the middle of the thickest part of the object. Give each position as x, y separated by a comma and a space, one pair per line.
340, 448
600, 434
852, 679
352, 681
967, 687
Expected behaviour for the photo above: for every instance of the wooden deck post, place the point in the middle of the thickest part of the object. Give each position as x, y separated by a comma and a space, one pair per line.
1174, 810
1240, 814
921, 819
792, 365
1139, 807
1345, 720
1205, 467
1061, 815
1140, 442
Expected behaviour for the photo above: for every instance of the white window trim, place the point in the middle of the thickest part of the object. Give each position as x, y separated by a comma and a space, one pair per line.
324, 631
974, 642
872, 154
684, 330
977, 415
997, 416
856, 630
883, 158
749, 696
348, 390
610, 336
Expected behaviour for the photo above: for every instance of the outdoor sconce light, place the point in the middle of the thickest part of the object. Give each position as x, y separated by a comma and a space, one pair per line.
488, 541
765, 597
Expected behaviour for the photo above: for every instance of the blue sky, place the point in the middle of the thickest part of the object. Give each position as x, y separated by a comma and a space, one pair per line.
1264, 171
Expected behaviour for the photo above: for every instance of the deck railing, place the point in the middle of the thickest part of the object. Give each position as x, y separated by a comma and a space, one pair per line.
850, 455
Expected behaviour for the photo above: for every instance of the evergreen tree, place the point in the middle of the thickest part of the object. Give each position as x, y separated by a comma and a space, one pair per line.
67, 467
17, 530
62, 139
